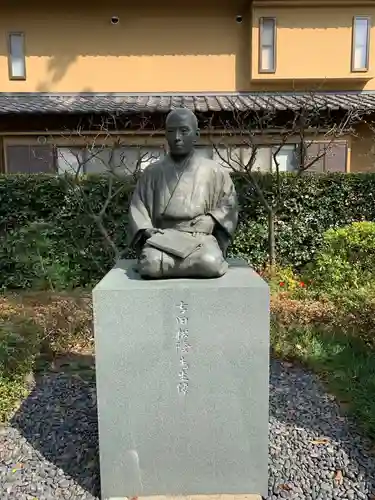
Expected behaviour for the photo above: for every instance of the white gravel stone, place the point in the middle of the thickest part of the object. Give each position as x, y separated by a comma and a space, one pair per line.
50, 450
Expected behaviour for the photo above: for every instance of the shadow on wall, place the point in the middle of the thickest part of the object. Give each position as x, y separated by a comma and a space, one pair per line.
67, 32
57, 67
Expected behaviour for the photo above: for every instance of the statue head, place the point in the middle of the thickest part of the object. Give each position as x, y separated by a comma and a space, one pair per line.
181, 131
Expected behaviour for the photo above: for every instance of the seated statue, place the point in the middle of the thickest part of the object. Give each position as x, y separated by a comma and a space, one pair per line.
183, 212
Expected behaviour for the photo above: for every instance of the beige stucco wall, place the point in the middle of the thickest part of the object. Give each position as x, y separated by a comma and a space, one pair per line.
193, 47
314, 43
156, 47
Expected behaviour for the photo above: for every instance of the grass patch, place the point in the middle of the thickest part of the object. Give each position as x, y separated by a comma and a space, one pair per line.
330, 328
12, 392
20, 340
334, 338
345, 365
35, 328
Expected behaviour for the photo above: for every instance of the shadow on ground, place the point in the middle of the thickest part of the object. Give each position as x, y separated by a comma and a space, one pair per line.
59, 418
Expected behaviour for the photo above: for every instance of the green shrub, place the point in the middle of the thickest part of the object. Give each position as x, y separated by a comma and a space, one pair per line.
356, 314
37, 258
346, 259
48, 237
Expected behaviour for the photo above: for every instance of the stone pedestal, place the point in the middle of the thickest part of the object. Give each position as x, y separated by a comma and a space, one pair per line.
182, 383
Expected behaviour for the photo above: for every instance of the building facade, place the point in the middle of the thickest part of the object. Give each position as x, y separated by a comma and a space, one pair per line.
62, 63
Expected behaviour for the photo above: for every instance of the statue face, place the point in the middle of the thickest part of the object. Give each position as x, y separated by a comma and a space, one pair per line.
181, 133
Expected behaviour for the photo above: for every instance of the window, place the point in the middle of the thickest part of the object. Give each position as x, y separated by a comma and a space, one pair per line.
205, 152
149, 155
262, 162
265, 160
285, 158
336, 157
324, 157
30, 159
330, 157
69, 160
228, 157
122, 160
16, 57
47, 158
267, 45
360, 44
236, 156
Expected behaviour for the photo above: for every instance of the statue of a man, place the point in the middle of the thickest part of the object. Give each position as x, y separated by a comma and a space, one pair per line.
183, 212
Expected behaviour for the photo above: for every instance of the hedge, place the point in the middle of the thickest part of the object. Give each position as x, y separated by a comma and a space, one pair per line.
48, 238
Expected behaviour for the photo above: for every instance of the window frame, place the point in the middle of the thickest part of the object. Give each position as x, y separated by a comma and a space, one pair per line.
352, 66
85, 152
293, 147
5, 158
261, 45
339, 142
10, 73
296, 146
31, 142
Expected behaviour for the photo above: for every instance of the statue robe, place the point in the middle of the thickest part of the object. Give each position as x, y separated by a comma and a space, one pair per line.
168, 196
161, 201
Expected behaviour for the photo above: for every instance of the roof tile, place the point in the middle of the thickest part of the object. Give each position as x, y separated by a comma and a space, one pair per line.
38, 103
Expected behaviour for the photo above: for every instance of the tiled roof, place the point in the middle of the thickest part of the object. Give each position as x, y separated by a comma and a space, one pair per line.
35, 103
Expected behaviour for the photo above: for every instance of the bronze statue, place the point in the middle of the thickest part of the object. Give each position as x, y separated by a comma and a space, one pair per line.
183, 212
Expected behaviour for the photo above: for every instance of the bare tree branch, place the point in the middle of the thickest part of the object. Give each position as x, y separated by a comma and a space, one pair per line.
106, 152
308, 127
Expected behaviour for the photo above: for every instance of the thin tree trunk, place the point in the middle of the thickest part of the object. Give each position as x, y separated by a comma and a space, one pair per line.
107, 238
271, 238
271, 211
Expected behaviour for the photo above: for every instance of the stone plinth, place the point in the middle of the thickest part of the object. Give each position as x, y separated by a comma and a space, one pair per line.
182, 383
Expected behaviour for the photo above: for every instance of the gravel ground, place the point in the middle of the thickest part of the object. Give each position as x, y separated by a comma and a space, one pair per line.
51, 453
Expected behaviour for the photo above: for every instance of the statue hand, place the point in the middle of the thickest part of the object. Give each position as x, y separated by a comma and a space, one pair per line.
149, 232
204, 223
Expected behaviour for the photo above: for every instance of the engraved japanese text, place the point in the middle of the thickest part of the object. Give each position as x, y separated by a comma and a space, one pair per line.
182, 346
